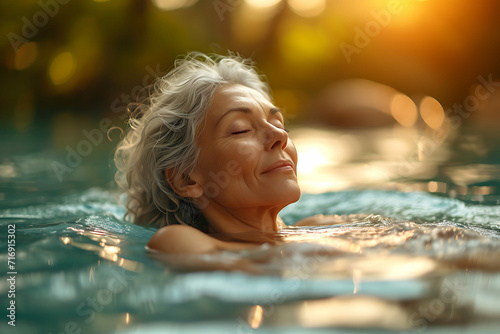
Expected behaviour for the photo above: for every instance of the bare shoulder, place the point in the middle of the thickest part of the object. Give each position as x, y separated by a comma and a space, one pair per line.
182, 239
189, 240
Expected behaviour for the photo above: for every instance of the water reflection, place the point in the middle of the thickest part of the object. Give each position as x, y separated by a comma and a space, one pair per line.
448, 300
334, 159
373, 248
255, 316
106, 247
342, 311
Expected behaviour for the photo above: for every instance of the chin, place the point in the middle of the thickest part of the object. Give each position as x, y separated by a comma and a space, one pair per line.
296, 194
290, 193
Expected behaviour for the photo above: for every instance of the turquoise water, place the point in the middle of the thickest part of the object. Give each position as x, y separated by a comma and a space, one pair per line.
412, 262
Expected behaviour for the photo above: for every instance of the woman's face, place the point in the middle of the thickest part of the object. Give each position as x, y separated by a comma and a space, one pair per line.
246, 158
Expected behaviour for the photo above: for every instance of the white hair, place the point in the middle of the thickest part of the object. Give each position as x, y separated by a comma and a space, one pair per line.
163, 133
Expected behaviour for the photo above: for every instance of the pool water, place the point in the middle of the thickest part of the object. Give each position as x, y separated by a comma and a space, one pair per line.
391, 261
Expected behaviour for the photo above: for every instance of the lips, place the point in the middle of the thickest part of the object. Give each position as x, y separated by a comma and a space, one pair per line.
282, 165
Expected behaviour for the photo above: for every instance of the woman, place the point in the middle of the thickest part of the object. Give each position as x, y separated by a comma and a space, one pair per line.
209, 156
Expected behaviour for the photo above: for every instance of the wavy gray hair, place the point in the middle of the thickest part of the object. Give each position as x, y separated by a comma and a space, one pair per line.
163, 136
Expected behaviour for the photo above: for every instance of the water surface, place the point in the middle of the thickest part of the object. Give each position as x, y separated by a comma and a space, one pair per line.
402, 255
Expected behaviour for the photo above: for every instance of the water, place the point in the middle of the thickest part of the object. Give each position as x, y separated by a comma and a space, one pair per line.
419, 261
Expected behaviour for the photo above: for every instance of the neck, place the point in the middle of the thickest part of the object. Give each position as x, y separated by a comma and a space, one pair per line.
227, 220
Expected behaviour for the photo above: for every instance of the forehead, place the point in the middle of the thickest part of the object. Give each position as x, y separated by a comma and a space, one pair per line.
236, 95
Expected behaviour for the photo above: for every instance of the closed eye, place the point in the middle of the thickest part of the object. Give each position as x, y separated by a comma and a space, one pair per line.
239, 132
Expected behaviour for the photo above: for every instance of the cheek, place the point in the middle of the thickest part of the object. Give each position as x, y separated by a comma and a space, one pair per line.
231, 160
246, 156
246, 151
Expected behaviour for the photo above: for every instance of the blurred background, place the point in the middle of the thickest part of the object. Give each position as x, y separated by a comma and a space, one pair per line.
378, 93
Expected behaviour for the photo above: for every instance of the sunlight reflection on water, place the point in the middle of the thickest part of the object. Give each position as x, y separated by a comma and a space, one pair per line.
333, 160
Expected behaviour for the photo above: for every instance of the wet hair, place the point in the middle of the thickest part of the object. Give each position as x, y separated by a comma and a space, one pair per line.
163, 132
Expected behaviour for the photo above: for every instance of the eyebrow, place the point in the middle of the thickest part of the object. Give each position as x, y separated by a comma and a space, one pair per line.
247, 110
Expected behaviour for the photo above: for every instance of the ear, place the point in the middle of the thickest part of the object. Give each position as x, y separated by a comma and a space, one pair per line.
184, 185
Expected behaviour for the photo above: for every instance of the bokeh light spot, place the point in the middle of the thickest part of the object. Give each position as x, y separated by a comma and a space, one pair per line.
404, 110
173, 4
262, 3
307, 8
62, 68
26, 56
432, 112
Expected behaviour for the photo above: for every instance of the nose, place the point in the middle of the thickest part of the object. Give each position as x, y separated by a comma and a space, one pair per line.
275, 138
